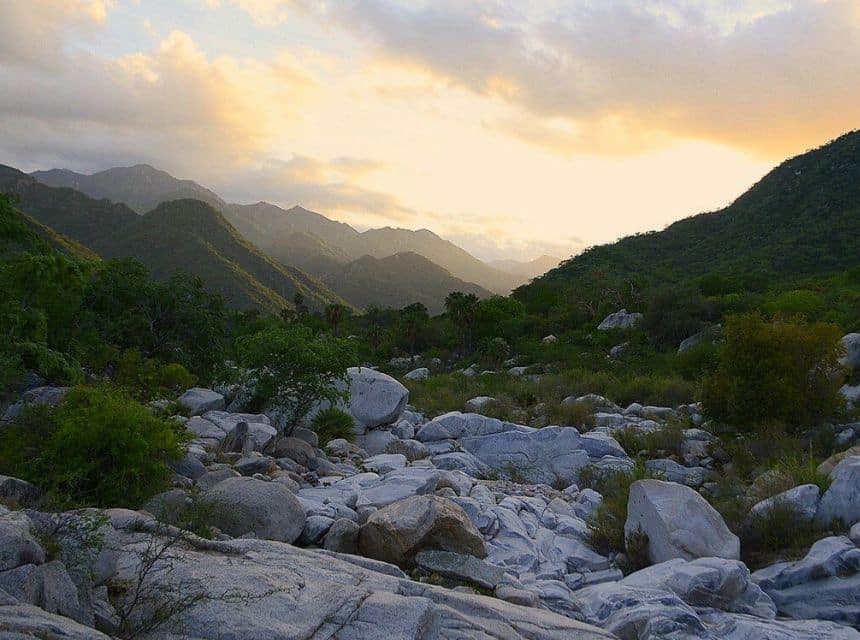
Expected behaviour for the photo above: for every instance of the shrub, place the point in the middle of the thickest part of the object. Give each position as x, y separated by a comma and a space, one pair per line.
606, 526
777, 534
331, 424
294, 370
783, 370
99, 448
494, 351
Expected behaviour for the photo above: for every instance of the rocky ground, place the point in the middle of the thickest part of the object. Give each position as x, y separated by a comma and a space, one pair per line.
463, 526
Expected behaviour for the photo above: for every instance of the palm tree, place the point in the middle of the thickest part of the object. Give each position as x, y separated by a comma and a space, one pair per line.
335, 314
413, 318
462, 308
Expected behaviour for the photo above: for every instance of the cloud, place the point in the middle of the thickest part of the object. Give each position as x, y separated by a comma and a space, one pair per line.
327, 186
172, 103
265, 13
32, 32
772, 77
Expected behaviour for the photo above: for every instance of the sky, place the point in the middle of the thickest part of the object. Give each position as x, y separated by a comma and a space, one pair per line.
512, 127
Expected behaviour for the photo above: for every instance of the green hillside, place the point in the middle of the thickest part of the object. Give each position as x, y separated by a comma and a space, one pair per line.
389, 281
183, 234
191, 235
801, 220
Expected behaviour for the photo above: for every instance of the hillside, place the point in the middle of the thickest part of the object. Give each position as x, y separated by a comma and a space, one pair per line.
273, 228
19, 233
141, 186
191, 235
398, 280
186, 234
527, 268
801, 219
93, 223
387, 241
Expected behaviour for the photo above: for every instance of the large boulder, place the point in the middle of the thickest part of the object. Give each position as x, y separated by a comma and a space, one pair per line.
18, 491
802, 500
679, 523
375, 399
267, 510
851, 359
421, 373
620, 320
47, 586
198, 401
399, 531
18, 546
40, 396
851, 395
707, 582
552, 455
841, 501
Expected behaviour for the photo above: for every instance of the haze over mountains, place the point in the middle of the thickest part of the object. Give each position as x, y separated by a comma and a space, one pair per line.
331, 251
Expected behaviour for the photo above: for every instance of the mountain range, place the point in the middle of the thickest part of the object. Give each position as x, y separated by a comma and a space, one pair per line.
187, 234
324, 248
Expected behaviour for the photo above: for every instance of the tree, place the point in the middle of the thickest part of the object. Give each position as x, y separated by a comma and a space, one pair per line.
784, 370
294, 370
461, 308
335, 314
499, 316
299, 302
413, 320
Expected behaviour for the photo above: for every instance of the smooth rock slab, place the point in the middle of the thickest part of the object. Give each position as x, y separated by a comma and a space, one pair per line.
460, 567
679, 523
707, 582
551, 455
304, 594
27, 622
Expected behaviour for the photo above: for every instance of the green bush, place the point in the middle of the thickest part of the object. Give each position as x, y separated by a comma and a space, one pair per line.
293, 369
606, 526
331, 424
782, 370
777, 534
99, 448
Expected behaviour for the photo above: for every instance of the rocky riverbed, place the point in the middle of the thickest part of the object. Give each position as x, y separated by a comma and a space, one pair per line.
463, 526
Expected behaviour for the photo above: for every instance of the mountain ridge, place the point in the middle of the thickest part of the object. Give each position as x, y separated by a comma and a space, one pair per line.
269, 226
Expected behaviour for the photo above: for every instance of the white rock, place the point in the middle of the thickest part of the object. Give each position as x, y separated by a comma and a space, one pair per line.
803, 500
707, 582
477, 404
267, 510
294, 593
851, 359
375, 399
198, 401
421, 373
620, 320
851, 395
841, 501
385, 462
679, 523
